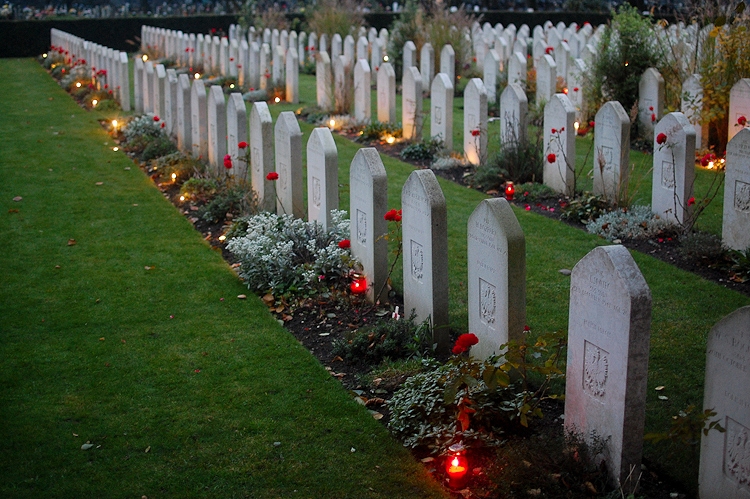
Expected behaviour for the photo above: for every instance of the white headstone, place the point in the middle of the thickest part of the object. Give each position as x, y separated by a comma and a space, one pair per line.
289, 186
724, 469
264, 73
427, 64
323, 81
410, 55
491, 68
261, 155
386, 91
608, 345
376, 54
160, 90
546, 79
650, 98
560, 145
674, 168
425, 252
148, 87
362, 48
691, 105
475, 122
184, 114
336, 46
577, 72
736, 221
278, 71
254, 66
441, 115
362, 104
517, 69
611, 151
199, 120
341, 98
448, 62
139, 90
236, 133
514, 108
217, 128
368, 202
292, 76
411, 108
124, 82
496, 259
739, 106
322, 176
349, 51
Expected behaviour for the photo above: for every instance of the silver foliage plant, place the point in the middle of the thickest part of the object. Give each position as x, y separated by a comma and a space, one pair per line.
286, 255
143, 125
636, 222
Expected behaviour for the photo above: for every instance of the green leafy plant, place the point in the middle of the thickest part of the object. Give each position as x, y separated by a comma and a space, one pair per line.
520, 160
157, 147
426, 150
475, 401
390, 338
379, 130
699, 245
740, 264
687, 426
236, 198
586, 208
199, 188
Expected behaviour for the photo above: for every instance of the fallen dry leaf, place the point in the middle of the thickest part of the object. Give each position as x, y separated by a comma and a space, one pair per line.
17, 199
71, 242
659, 388
100, 183
147, 267
268, 299
148, 449
242, 297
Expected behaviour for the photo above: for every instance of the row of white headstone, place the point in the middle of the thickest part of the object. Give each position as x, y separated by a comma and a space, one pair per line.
107, 67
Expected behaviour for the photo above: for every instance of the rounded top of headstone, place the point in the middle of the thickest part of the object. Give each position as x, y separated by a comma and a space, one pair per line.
368, 158
287, 121
612, 109
621, 263
260, 111
427, 182
674, 124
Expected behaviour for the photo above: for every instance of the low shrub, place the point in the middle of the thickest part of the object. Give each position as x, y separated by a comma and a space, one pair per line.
701, 246
475, 402
235, 198
637, 222
288, 256
388, 339
199, 189
518, 160
157, 147
423, 151
585, 208
379, 131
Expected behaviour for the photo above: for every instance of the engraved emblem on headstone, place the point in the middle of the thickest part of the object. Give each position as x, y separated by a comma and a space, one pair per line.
283, 180
607, 154
737, 453
667, 174
487, 301
417, 260
741, 196
361, 226
595, 370
316, 195
438, 115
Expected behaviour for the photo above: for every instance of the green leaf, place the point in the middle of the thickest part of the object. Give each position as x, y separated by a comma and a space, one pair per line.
720, 21
740, 8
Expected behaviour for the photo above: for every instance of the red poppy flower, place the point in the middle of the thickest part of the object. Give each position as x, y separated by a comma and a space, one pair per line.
272, 176
345, 243
242, 145
227, 162
551, 158
661, 138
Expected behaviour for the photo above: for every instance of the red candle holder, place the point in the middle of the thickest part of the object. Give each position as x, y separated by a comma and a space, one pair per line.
359, 284
457, 467
510, 191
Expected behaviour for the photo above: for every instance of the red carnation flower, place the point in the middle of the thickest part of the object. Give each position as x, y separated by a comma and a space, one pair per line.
272, 176
163, 125
653, 117
156, 118
551, 158
393, 215
475, 132
242, 145
691, 201
575, 89
741, 121
548, 50
704, 160
661, 138
227, 162
592, 123
344, 243
650, 108
464, 342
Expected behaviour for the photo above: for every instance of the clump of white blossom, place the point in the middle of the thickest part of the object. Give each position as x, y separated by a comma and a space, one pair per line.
282, 254
142, 126
636, 222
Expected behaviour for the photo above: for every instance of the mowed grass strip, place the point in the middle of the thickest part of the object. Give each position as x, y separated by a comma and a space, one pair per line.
119, 326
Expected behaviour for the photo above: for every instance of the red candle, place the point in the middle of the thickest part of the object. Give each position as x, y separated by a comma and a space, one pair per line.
358, 285
456, 468
510, 190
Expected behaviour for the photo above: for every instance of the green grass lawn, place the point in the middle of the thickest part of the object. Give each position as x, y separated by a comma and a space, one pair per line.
182, 388
256, 385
